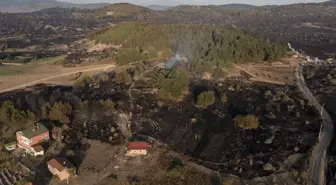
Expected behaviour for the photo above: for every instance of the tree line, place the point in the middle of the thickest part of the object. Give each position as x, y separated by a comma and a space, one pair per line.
202, 44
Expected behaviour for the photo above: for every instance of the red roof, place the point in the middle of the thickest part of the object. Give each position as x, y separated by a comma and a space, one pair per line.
37, 148
55, 164
137, 145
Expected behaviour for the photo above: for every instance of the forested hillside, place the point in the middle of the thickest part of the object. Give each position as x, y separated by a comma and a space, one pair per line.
200, 44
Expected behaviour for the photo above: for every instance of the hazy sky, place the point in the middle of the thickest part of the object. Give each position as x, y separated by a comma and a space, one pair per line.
177, 2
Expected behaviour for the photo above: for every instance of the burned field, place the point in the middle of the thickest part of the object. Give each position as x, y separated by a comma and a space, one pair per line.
288, 125
321, 80
209, 136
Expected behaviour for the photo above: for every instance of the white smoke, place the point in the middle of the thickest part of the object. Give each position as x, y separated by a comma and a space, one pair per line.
290, 47
175, 60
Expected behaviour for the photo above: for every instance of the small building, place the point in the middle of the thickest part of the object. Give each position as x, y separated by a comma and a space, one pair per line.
62, 168
37, 150
137, 149
31, 139
11, 146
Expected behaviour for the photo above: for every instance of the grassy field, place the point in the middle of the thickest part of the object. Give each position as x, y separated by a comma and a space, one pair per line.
32, 66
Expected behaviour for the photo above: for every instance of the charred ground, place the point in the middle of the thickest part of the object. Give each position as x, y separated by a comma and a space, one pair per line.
288, 124
309, 27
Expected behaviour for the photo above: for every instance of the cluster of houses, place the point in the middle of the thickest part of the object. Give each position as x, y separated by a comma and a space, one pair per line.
33, 139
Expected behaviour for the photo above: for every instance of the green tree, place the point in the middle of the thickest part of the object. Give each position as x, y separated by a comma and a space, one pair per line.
206, 46
60, 112
173, 82
11, 115
44, 111
247, 122
205, 99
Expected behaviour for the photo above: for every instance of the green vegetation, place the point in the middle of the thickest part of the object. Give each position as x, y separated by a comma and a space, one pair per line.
123, 77
60, 112
205, 99
223, 98
129, 55
247, 122
227, 181
206, 46
101, 77
173, 83
107, 104
83, 82
11, 115
119, 10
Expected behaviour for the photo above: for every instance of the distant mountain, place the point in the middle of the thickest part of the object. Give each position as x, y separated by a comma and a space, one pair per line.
159, 7
14, 6
331, 2
244, 6
237, 6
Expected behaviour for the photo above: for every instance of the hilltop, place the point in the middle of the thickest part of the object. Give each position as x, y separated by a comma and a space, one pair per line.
207, 48
13, 6
310, 27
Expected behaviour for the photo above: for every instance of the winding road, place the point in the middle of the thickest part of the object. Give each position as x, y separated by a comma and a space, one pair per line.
318, 160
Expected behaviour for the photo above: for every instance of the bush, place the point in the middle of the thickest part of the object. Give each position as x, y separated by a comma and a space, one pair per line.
223, 98
60, 112
101, 77
83, 82
107, 104
44, 111
247, 122
205, 99
173, 82
124, 77
11, 115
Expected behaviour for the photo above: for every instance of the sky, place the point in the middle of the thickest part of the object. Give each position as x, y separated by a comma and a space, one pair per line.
198, 2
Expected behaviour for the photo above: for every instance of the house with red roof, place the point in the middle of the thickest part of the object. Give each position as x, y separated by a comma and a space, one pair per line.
137, 149
31, 139
62, 168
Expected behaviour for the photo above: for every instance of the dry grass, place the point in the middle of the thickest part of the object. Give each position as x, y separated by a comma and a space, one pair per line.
277, 72
32, 74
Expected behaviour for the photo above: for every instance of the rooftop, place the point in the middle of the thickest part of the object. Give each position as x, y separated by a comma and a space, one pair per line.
55, 164
60, 164
137, 145
38, 148
34, 131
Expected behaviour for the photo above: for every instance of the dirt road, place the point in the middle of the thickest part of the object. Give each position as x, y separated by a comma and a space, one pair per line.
103, 68
318, 160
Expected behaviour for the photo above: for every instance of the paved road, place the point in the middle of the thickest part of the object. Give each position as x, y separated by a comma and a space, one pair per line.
318, 160
104, 68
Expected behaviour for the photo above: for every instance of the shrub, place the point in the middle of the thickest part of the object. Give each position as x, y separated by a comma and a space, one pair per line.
227, 181
101, 77
124, 77
44, 111
247, 122
83, 82
173, 82
11, 115
107, 104
60, 112
205, 99
223, 98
